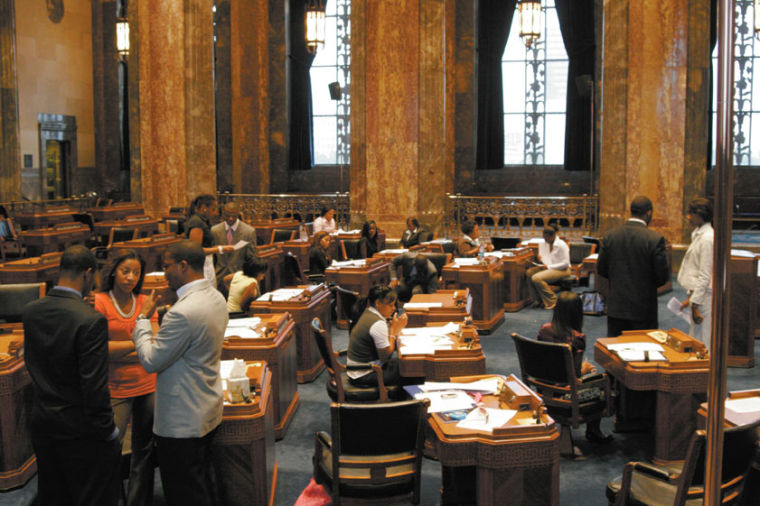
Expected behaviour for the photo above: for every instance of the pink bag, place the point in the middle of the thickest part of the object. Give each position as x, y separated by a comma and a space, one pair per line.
313, 495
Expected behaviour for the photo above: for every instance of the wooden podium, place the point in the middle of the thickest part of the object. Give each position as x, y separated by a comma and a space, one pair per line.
151, 249
244, 455
277, 347
44, 218
17, 463
145, 226
743, 308
679, 385
463, 357
442, 306
43, 269
513, 265
48, 240
310, 302
485, 281
360, 276
517, 464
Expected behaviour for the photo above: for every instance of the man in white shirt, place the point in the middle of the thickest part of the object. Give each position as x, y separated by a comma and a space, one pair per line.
695, 274
554, 264
228, 233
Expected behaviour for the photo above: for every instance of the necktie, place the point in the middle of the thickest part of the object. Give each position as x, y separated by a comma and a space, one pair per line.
229, 235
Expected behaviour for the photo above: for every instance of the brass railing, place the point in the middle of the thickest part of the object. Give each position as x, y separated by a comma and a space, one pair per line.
27, 206
511, 216
303, 207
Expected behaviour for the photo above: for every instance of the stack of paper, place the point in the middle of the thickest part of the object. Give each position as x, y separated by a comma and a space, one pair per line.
446, 400
592, 256
281, 294
394, 251
637, 352
349, 263
487, 419
488, 385
465, 261
430, 331
243, 328
422, 305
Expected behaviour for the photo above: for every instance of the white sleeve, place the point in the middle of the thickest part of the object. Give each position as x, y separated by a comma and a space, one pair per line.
379, 333
562, 256
703, 281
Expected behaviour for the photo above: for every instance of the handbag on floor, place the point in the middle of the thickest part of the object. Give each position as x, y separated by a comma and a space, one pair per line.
592, 303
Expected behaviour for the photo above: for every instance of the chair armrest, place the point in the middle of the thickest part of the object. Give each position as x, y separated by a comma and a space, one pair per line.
651, 470
323, 438
643, 467
594, 376
382, 390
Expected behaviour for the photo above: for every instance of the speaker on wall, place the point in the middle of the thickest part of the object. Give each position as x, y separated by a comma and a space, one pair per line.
335, 92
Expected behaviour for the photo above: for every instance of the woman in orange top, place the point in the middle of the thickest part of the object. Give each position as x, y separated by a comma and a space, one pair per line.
132, 389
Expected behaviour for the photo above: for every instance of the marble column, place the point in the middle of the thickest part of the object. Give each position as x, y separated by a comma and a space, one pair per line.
654, 109
400, 162
172, 107
10, 149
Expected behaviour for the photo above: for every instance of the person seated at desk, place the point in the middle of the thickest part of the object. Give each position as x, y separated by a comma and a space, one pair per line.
554, 258
567, 327
373, 339
325, 222
411, 236
319, 254
419, 275
7, 232
469, 245
244, 284
368, 244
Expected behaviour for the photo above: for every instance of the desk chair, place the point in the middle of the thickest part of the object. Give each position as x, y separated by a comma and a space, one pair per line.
338, 387
680, 484
378, 464
548, 368
350, 248
347, 301
282, 235
121, 234
10, 246
578, 251
14, 297
291, 272
504, 242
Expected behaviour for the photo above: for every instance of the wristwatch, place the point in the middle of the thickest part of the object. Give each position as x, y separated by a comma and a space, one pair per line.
141, 317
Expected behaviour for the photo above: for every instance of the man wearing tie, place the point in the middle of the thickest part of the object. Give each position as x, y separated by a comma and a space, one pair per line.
229, 232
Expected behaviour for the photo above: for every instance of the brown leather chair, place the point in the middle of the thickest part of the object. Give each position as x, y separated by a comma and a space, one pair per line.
121, 234
282, 235
379, 464
548, 368
677, 485
349, 248
14, 297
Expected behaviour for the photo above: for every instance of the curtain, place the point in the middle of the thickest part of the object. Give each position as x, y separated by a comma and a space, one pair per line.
576, 22
300, 124
494, 22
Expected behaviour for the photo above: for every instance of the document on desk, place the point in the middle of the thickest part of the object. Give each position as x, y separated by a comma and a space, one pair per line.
281, 294
674, 305
423, 344
446, 400
638, 352
243, 328
400, 251
422, 305
458, 262
487, 419
486, 385
349, 263
744, 404
438, 330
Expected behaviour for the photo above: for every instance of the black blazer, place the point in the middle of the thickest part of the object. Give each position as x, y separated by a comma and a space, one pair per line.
318, 261
427, 279
66, 354
410, 238
632, 257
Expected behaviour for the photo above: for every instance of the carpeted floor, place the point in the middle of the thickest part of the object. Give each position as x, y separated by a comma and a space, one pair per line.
581, 482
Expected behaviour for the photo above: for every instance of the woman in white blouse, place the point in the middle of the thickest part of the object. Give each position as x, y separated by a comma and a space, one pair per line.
695, 274
554, 264
325, 221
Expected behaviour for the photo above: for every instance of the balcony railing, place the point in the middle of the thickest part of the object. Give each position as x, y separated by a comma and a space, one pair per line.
303, 207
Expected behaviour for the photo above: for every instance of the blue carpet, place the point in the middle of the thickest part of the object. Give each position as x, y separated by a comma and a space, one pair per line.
581, 482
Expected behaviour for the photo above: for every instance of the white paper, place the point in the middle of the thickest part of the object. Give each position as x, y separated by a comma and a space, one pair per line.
488, 385
742, 253
240, 244
639, 356
394, 251
349, 263
535, 240
415, 348
674, 305
422, 305
157, 273
438, 241
281, 294
658, 335
466, 261
744, 404
449, 328
241, 332
446, 400
635, 347
593, 256
487, 419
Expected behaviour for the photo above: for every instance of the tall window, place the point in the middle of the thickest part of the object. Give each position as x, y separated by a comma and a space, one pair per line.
535, 81
746, 89
332, 132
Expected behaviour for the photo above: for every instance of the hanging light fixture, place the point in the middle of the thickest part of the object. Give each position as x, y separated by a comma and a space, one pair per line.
122, 37
530, 20
314, 24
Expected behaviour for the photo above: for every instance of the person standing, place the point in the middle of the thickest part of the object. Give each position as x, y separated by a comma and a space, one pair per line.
71, 423
132, 389
696, 271
198, 230
228, 233
186, 353
632, 257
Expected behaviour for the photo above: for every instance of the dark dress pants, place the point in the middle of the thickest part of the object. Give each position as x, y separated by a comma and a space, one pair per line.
186, 471
77, 472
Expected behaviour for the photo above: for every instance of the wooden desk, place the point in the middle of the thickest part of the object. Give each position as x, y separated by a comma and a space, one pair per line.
464, 357
157, 281
743, 308
17, 462
43, 269
150, 248
485, 282
48, 240
145, 226
264, 228
115, 212
389, 254
440, 246
359, 277
244, 454
44, 218
312, 302
518, 464
454, 305
680, 385
514, 266
274, 257
276, 347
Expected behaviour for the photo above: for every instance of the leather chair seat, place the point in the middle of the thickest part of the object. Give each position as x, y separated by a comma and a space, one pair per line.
647, 490
355, 393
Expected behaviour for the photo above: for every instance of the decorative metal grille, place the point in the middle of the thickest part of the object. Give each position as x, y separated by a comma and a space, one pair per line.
302, 207
343, 45
535, 101
744, 58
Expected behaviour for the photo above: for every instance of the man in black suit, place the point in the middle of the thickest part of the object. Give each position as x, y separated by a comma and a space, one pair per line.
633, 258
71, 423
418, 275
